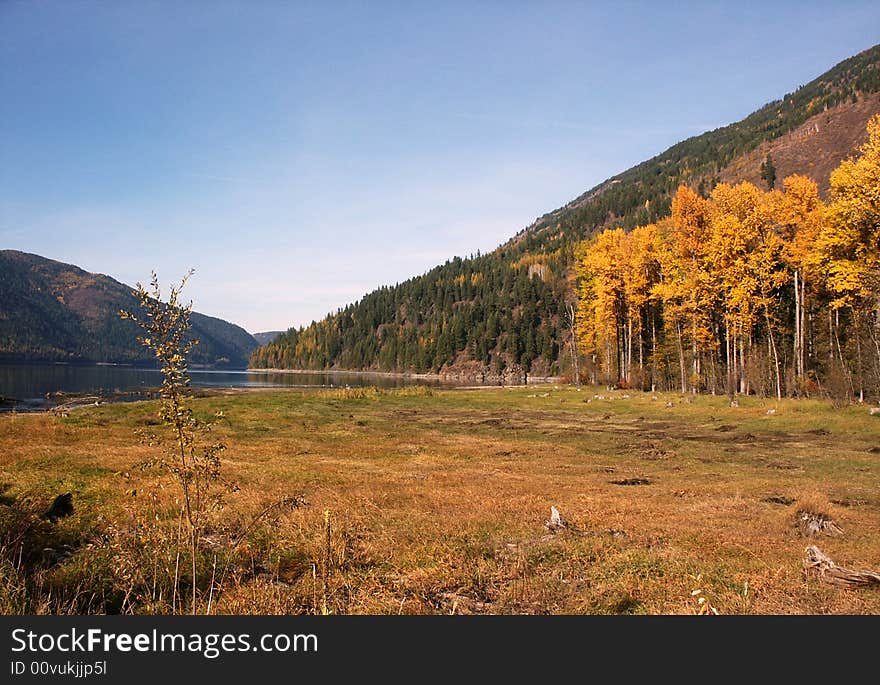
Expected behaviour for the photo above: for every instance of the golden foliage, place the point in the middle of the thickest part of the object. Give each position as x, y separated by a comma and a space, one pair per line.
723, 271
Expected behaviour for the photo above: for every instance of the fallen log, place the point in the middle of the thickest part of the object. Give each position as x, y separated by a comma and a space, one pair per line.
823, 566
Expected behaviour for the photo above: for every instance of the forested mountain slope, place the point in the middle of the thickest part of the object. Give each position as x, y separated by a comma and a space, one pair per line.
57, 312
504, 312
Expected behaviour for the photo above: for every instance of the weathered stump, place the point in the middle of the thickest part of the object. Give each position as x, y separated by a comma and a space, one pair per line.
555, 522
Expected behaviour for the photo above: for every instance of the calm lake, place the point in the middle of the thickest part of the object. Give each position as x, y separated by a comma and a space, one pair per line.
25, 386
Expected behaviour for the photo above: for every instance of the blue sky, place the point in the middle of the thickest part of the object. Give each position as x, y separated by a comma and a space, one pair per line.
298, 155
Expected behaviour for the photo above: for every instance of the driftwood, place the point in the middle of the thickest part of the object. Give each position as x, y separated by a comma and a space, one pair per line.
821, 564
76, 403
812, 524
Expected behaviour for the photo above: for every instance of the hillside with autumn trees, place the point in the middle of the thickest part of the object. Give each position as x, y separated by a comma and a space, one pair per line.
773, 292
512, 312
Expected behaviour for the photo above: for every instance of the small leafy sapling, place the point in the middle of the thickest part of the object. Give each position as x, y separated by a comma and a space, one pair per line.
190, 457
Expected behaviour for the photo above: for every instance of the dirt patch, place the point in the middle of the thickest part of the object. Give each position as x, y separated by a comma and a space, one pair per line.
779, 499
782, 466
849, 502
631, 481
654, 452
725, 428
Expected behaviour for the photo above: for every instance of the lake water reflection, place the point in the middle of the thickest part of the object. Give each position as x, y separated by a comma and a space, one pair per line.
26, 385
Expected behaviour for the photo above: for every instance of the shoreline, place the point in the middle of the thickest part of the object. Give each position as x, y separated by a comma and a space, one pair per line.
530, 380
65, 401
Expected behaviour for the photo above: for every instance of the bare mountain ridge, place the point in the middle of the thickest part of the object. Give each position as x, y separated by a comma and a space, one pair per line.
813, 149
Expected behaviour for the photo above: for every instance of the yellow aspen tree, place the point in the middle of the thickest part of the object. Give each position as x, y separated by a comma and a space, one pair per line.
641, 275
602, 302
768, 264
686, 287
848, 246
738, 218
798, 214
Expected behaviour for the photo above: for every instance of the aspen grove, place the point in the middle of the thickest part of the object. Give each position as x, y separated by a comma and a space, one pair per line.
746, 291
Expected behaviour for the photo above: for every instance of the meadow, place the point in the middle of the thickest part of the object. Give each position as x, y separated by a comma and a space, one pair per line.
438, 502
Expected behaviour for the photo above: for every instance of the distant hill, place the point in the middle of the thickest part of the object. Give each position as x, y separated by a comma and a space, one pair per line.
57, 312
266, 337
504, 311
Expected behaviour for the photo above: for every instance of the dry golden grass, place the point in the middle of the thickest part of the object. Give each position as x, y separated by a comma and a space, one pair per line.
438, 498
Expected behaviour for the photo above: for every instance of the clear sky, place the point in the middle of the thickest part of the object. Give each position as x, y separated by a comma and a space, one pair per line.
298, 155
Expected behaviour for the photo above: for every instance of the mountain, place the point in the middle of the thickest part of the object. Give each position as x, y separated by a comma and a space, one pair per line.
266, 337
503, 313
57, 312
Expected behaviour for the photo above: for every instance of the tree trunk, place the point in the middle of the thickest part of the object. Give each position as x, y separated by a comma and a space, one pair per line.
654, 351
730, 364
775, 355
572, 319
748, 379
857, 318
803, 328
873, 330
629, 349
798, 342
843, 366
830, 339
682, 364
642, 316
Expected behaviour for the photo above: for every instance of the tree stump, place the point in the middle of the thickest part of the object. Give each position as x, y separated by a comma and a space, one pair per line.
555, 522
61, 508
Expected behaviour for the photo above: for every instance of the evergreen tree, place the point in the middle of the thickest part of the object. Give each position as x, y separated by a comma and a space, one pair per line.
768, 172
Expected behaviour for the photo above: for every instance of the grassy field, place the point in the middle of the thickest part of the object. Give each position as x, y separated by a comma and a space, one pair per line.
438, 500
